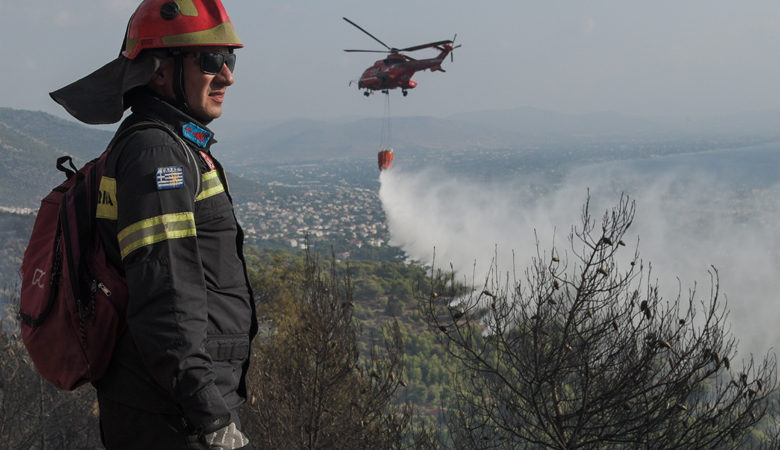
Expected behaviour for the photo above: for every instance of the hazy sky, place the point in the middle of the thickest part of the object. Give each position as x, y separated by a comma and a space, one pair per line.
662, 57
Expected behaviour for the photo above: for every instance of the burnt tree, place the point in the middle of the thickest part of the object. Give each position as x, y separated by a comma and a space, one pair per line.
36, 415
312, 385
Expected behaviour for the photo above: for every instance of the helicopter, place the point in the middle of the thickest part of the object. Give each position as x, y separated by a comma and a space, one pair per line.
397, 69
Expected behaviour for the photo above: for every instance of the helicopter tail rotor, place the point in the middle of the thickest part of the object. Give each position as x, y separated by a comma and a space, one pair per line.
452, 51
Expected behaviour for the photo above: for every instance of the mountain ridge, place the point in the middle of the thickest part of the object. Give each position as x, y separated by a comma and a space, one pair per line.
31, 141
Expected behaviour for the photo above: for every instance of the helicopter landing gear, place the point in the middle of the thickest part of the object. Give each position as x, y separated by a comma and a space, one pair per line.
385, 91
405, 92
366, 93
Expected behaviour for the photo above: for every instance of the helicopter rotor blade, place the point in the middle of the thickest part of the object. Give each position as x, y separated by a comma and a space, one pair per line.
430, 44
368, 51
371, 35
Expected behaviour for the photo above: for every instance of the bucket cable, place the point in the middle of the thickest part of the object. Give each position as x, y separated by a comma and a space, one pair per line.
386, 139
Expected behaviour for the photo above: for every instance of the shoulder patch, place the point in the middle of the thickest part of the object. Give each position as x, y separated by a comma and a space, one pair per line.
196, 134
169, 177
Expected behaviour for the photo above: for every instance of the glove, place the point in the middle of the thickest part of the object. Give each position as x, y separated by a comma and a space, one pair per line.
226, 438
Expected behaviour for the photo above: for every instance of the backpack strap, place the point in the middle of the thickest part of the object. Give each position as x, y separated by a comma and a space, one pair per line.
159, 125
69, 171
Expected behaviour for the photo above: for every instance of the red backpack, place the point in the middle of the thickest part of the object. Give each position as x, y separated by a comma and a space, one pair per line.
73, 299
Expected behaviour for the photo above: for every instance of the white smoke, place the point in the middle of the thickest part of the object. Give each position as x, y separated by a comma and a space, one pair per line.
685, 223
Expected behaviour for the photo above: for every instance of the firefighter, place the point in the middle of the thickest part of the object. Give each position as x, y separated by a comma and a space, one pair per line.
166, 218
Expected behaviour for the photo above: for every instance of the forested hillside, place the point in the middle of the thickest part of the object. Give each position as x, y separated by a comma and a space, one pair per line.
384, 292
30, 143
15, 232
399, 387
386, 377
67, 136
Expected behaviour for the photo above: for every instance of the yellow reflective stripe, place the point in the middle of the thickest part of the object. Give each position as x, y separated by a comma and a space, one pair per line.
210, 185
187, 8
130, 44
106, 201
157, 229
223, 33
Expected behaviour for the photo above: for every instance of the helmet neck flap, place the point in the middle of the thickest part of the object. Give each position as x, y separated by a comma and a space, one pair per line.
157, 29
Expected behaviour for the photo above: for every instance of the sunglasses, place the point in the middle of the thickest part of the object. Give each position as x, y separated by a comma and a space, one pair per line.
211, 62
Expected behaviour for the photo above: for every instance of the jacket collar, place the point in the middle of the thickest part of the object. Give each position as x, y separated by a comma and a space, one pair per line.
148, 106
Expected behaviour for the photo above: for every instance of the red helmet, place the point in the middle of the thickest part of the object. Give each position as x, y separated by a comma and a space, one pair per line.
180, 23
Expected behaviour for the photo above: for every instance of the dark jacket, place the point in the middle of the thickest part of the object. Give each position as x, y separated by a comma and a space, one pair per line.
190, 317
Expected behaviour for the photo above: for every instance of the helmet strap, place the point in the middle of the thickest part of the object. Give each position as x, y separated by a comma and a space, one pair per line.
178, 81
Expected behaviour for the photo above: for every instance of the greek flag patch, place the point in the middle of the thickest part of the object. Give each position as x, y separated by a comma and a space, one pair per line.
169, 177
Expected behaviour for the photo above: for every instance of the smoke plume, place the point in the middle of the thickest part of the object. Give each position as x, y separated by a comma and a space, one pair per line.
686, 221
